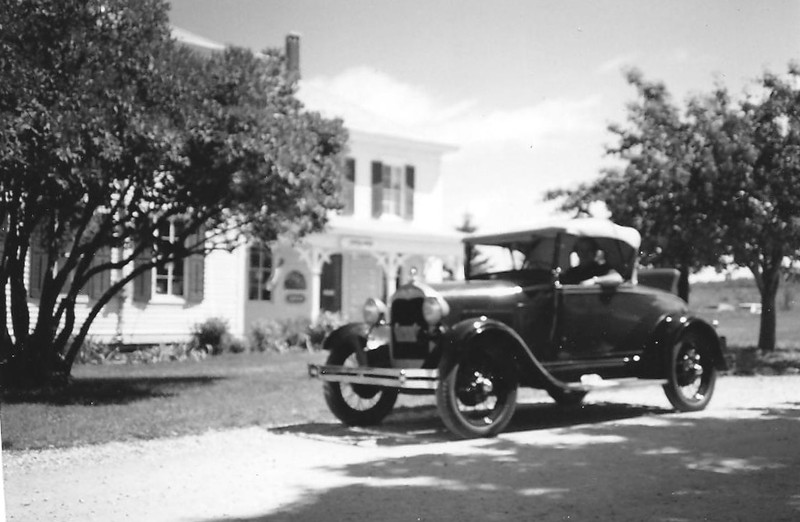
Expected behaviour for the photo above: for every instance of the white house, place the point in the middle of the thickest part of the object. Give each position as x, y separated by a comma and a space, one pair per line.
392, 223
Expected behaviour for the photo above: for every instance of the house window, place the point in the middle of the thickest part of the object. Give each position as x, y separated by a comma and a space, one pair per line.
169, 278
392, 190
259, 273
348, 187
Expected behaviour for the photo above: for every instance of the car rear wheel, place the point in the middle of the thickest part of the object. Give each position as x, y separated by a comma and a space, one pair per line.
356, 404
477, 394
692, 375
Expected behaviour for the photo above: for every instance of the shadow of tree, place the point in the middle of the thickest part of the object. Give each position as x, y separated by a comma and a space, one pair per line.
601, 462
108, 390
422, 425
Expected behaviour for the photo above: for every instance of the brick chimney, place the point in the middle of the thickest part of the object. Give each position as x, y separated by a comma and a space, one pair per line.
293, 57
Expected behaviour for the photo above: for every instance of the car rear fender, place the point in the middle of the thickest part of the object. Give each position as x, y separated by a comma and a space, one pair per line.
669, 329
507, 342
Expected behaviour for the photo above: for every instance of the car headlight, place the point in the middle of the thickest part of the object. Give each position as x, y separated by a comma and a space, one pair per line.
374, 311
433, 310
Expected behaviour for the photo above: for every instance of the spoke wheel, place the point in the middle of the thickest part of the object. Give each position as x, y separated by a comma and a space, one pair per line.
477, 394
692, 375
356, 404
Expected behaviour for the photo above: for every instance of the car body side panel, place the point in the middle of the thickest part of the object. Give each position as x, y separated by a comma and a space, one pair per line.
597, 322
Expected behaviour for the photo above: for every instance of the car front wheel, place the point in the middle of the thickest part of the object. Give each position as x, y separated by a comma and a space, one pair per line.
356, 404
692, 375
477, 394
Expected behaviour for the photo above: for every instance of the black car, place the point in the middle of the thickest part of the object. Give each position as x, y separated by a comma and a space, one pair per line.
563, 308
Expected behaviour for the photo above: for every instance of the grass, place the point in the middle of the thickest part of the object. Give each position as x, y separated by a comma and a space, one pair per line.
128, 402
115, 402
740, 327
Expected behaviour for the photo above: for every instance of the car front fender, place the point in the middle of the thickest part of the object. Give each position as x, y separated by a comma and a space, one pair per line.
501, 337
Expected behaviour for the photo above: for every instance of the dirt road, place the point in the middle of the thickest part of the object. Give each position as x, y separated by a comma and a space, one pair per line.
624, 456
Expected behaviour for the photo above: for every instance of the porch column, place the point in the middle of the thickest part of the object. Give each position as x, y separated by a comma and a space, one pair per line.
390, 262
315, 258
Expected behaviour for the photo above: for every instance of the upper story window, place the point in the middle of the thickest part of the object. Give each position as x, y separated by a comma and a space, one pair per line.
392, 190
259, 273
348, 187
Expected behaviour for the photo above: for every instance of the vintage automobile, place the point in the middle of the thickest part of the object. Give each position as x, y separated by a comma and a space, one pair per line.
518, 319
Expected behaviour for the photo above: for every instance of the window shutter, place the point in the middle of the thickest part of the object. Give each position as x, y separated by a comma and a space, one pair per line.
377, 189
348, 187
195, 270
37, 268
101, 282
143, 283
2, 241
409, 210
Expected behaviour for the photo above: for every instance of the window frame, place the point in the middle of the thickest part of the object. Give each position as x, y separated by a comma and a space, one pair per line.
263, 274
169, 267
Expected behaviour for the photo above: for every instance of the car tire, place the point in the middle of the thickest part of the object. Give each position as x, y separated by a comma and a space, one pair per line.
691, 373
477, 393
356, 404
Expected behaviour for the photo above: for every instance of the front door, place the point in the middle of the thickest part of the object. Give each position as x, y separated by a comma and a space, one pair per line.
330, 299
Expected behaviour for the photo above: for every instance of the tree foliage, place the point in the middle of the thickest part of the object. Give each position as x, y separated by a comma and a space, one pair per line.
109, 132
709, 184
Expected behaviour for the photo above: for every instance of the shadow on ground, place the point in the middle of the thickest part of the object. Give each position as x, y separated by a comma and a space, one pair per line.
108, 390
600, 462
422, 425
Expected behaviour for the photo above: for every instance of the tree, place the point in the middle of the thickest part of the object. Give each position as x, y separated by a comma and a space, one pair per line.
467, 226
110, 134
709, 185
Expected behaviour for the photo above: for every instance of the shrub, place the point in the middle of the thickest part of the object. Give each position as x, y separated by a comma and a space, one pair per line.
267, 336
272, 335
93, 352
295, 332
212, 335
322, 327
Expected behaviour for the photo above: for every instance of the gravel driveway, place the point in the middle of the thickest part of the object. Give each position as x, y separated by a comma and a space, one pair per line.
623, 456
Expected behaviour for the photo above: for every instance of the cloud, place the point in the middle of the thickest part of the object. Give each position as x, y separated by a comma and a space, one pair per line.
373, 101
506, 157
618, 63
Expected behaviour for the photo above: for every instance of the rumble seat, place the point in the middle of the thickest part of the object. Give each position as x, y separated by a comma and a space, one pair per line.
661, 278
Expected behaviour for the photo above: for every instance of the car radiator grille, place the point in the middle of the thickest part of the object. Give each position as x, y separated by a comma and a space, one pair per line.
408, 329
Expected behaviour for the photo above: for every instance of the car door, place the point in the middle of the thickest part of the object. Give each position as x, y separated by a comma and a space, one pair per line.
599, 322
586, 321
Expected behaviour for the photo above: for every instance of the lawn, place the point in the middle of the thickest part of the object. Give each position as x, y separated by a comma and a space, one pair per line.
143, 401
117, 402
740, 326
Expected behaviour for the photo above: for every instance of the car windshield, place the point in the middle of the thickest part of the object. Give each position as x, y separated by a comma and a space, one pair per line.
517, 258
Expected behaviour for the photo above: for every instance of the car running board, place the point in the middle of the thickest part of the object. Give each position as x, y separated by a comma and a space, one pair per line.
593, 382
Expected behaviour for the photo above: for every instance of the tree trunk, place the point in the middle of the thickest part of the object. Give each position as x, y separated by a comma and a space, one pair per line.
683, 282
767, 335
33, 368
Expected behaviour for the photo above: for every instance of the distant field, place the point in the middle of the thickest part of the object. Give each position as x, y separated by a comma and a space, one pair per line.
740, 326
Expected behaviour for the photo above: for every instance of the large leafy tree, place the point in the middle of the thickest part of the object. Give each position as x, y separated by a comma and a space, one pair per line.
111, 133
709, 184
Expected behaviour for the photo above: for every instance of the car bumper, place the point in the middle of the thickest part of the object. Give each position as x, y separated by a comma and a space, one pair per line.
410, 379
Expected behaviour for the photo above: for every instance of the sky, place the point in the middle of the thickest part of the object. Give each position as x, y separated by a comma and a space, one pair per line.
525, 89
